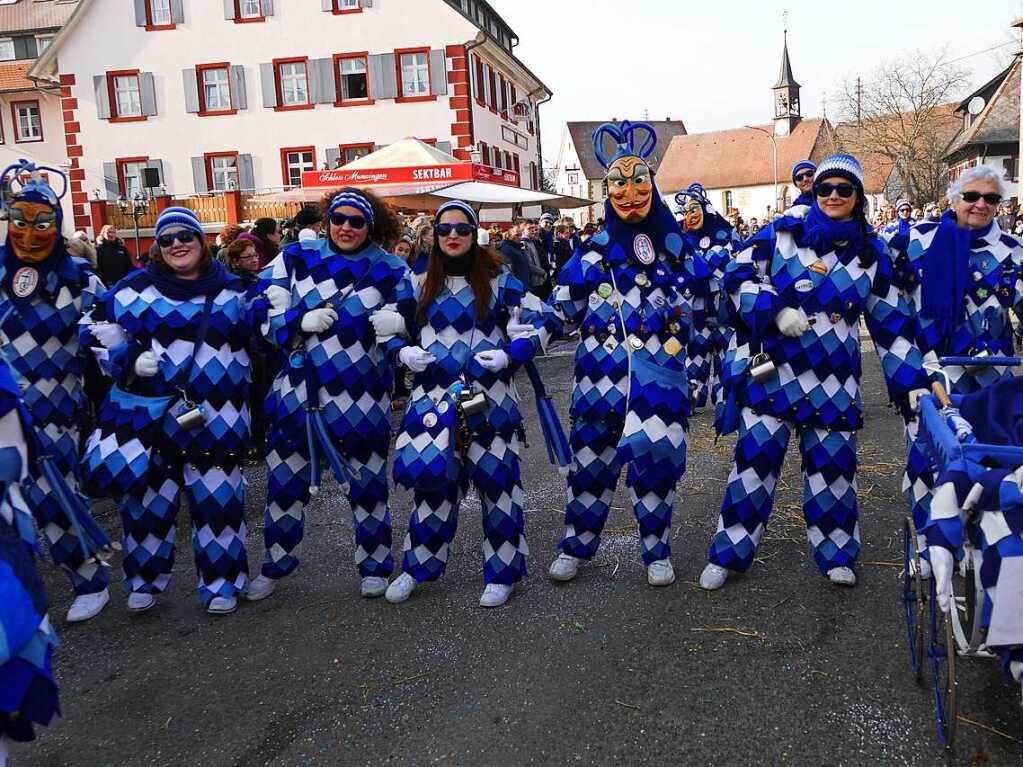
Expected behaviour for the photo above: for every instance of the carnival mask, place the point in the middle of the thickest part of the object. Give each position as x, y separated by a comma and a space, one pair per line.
692, 216
630, 186
32, 227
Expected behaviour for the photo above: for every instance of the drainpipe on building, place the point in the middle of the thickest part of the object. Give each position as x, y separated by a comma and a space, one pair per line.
476, 42
539, 141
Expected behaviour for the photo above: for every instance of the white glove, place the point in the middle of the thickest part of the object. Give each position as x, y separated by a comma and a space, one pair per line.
516, 328
279, 298
914, 398
495, 360
942, 566
564, 471
416, 358
319, 320
146, 365
792, 322
387, 323
109, 334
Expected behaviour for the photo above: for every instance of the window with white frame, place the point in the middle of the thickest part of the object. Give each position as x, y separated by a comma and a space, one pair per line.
353, 153
249, 9
131, 173
223, 172
43, 42
415, 74
354, 79
127, 96
347, 5
573, 178
294, 84
159, 12
6, 49
297, 162
216, 89
28, 126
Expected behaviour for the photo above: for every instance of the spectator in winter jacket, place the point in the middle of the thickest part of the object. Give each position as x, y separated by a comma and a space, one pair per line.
268, 236
113, 261
514, 256
539, 262
562, 247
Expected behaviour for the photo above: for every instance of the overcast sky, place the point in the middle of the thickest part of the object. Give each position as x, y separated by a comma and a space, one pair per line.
712, 63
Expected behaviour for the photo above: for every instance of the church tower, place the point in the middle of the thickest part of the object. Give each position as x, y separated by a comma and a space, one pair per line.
786, 96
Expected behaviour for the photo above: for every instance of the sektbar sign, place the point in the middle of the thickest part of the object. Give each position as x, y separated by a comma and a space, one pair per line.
450, 173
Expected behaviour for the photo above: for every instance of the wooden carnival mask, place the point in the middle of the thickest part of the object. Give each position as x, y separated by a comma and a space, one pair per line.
692, 216
32, 228
630, 188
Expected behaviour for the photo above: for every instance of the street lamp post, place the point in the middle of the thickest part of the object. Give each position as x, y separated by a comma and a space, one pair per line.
136, 208
774, 145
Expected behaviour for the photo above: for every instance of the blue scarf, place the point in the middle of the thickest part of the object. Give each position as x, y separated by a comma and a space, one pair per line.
821, 234
208, 283
946, 273
47, 280
904, 226
805, 198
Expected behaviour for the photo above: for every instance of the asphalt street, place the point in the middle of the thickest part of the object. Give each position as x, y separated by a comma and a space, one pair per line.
780, 667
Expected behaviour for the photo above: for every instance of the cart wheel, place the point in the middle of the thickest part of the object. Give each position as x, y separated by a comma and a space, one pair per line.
942, 653
913, 600
971, 618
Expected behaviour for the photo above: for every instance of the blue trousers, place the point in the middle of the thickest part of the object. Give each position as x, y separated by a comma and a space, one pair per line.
829, 493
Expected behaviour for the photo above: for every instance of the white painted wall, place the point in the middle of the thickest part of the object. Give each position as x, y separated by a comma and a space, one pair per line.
298, 28
752, 201
568, 163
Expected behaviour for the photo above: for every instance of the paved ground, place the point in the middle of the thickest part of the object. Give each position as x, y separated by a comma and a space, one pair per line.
603, 670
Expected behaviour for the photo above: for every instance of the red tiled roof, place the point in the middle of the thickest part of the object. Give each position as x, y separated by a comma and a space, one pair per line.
740, 156
33, 15
12, 76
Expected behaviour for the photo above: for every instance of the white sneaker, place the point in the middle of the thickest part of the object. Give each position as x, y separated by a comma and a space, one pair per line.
222, 605
495, 595
373, 586
660, 573
139, 603
87, 606
260, 587
713, 577
564, 568
401, 588
842, 576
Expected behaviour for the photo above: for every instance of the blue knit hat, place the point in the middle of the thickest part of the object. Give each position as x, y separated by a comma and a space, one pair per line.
800, 166
464, 207
903, 203
182, 217
354, 200
844, 165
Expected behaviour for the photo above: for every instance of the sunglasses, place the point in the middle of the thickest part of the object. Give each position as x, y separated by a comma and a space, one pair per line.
804, 175
340, 219
845, 191
184, 237
445, 230
992, 198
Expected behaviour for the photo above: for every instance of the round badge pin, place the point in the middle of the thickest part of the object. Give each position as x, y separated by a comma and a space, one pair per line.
442, 408
604, 290
25, 281
643, 247
430, 420
704, 242
642, 280
637, 343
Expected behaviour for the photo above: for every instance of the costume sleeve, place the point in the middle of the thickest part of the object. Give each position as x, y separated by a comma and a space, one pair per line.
120, 364
401, 299
751, 296
279, 327
510, 294
566, 307
891, 328
93, 310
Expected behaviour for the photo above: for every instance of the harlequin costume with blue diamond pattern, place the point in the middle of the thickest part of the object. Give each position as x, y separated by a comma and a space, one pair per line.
815, 390
354, 378
28, 691
454, 334
995, 285
603, 287
201, 463
39, 337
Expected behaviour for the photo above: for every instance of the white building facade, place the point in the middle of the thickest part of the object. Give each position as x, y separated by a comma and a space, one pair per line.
247, 94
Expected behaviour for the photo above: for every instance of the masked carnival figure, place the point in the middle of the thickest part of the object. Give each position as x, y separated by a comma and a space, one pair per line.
28, 691
44, 293
330, 405
797, 292
709, 235
629, 291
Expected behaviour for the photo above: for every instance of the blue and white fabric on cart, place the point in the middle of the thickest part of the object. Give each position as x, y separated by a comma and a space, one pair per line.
992, 265
203, 463
454, 333
28, 691
816, 387
354, 380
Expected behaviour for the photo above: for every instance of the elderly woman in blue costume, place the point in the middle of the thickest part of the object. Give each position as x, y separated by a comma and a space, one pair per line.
797, 293
28, 691
961, 277
707, 233
44, 292
330, 403
463, 361
629, 292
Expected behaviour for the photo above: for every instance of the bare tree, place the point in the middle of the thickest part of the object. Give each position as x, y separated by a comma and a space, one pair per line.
899, 117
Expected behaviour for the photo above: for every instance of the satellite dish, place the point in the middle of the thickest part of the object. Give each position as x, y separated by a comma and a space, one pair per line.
976, 105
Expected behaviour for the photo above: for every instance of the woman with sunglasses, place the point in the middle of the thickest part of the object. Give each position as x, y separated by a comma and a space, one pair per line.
960, 276
797, 294
802, 177
465, 301
322, 294
161, 312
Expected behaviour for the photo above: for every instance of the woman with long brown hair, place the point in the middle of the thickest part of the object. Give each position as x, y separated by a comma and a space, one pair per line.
463, 361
